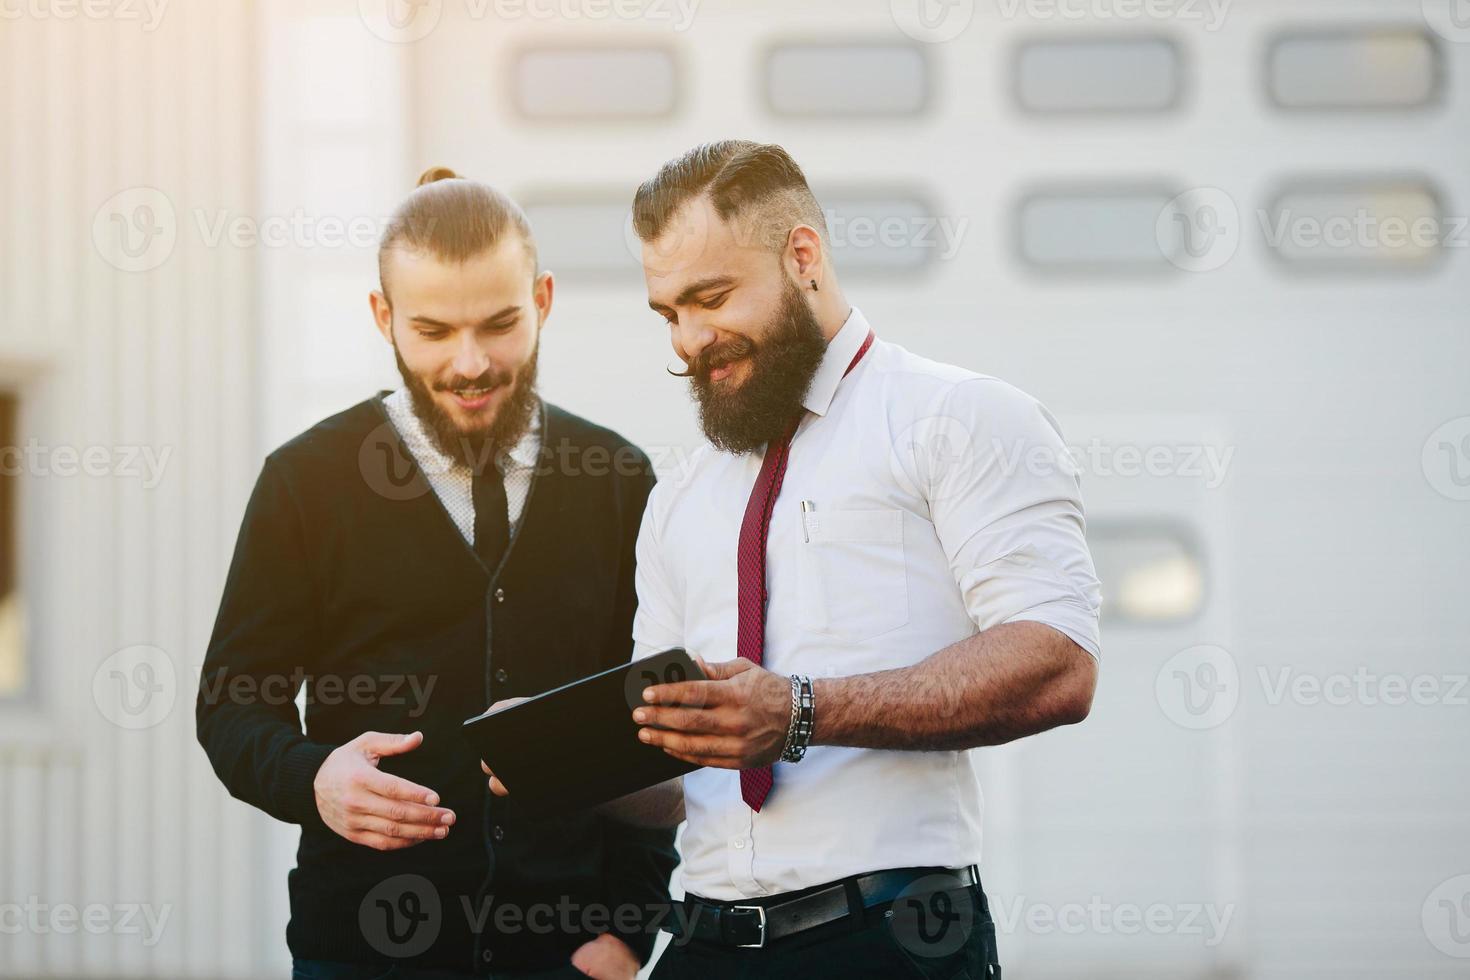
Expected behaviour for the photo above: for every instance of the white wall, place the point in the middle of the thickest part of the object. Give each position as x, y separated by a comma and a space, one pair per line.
1322, 830
96, 812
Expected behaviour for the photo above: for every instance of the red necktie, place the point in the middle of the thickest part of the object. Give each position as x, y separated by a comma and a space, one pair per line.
750, 563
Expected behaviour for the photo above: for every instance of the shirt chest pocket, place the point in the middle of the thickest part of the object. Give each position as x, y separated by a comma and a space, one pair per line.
852, 573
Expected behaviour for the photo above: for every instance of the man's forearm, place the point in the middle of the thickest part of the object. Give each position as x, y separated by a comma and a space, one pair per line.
1005, 683
261, 755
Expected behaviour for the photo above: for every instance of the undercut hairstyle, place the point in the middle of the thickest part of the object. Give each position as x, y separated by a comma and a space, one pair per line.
757, 187
453, 219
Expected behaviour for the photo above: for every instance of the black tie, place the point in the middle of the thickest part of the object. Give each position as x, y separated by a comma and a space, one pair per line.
492, 519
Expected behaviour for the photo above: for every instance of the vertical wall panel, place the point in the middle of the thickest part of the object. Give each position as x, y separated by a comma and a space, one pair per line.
90, 509
169, 402
66, 239
200, 469
236, 42
138, 304
27, 875
96, 814
22, 119
10, 190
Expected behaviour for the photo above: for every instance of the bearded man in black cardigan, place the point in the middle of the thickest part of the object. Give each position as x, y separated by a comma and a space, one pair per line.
411, 561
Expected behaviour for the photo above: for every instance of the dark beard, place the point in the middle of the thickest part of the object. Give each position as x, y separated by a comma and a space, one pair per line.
477, 448
781, 367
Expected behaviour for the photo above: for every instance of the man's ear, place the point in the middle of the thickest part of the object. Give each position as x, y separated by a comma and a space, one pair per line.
543, 290
382, 314
803, 259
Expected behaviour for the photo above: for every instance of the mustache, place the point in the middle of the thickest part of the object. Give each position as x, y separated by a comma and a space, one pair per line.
700, 365
490, 379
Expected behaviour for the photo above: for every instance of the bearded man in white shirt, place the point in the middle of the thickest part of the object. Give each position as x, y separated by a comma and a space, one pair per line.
875, 594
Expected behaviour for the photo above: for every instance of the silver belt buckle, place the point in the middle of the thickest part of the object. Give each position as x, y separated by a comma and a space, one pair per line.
760, 917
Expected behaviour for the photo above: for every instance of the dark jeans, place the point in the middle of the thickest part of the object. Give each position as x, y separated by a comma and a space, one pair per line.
941, 936
326, 970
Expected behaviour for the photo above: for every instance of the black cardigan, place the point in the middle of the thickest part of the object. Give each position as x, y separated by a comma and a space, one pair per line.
349, 577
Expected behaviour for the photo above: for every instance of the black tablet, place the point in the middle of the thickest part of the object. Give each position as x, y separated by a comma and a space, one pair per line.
577, 745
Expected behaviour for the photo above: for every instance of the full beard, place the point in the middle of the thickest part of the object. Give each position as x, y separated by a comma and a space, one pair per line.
479, 446
780, 370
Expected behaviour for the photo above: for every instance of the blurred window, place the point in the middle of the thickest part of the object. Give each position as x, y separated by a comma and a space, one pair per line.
1355, 70
847, 80
588, 234
1142, 75
872, 232
1357, 227
1150, 575
1099, 230
595, 83
888, 233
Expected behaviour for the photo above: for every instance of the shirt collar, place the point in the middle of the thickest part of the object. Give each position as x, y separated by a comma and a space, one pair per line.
411, 428
526, 452
840, 352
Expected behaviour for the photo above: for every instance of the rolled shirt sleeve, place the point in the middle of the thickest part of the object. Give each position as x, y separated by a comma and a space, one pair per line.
1006, 501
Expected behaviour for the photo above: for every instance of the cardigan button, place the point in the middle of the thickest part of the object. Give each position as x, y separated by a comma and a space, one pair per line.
499, 595
501, 676
498, 833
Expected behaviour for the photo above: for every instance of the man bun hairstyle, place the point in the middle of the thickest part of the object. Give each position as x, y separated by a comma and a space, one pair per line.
454, 219
437, 173
757, 185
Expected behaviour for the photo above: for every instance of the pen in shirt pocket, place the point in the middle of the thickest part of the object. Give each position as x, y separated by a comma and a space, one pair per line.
808, 519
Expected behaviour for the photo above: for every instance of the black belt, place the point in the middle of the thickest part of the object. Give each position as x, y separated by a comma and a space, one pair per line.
753, 924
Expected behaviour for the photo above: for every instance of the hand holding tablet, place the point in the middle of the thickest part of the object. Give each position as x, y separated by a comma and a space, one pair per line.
577, 746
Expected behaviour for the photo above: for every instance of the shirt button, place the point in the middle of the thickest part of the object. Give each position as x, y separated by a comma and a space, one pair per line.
740, 845
498, 833
501, 676
499, 595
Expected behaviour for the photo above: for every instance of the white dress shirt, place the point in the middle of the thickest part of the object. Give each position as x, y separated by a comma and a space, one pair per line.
943, 504
452, 480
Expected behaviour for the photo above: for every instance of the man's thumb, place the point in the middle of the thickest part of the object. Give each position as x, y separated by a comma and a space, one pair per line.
723, 670
378, 744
